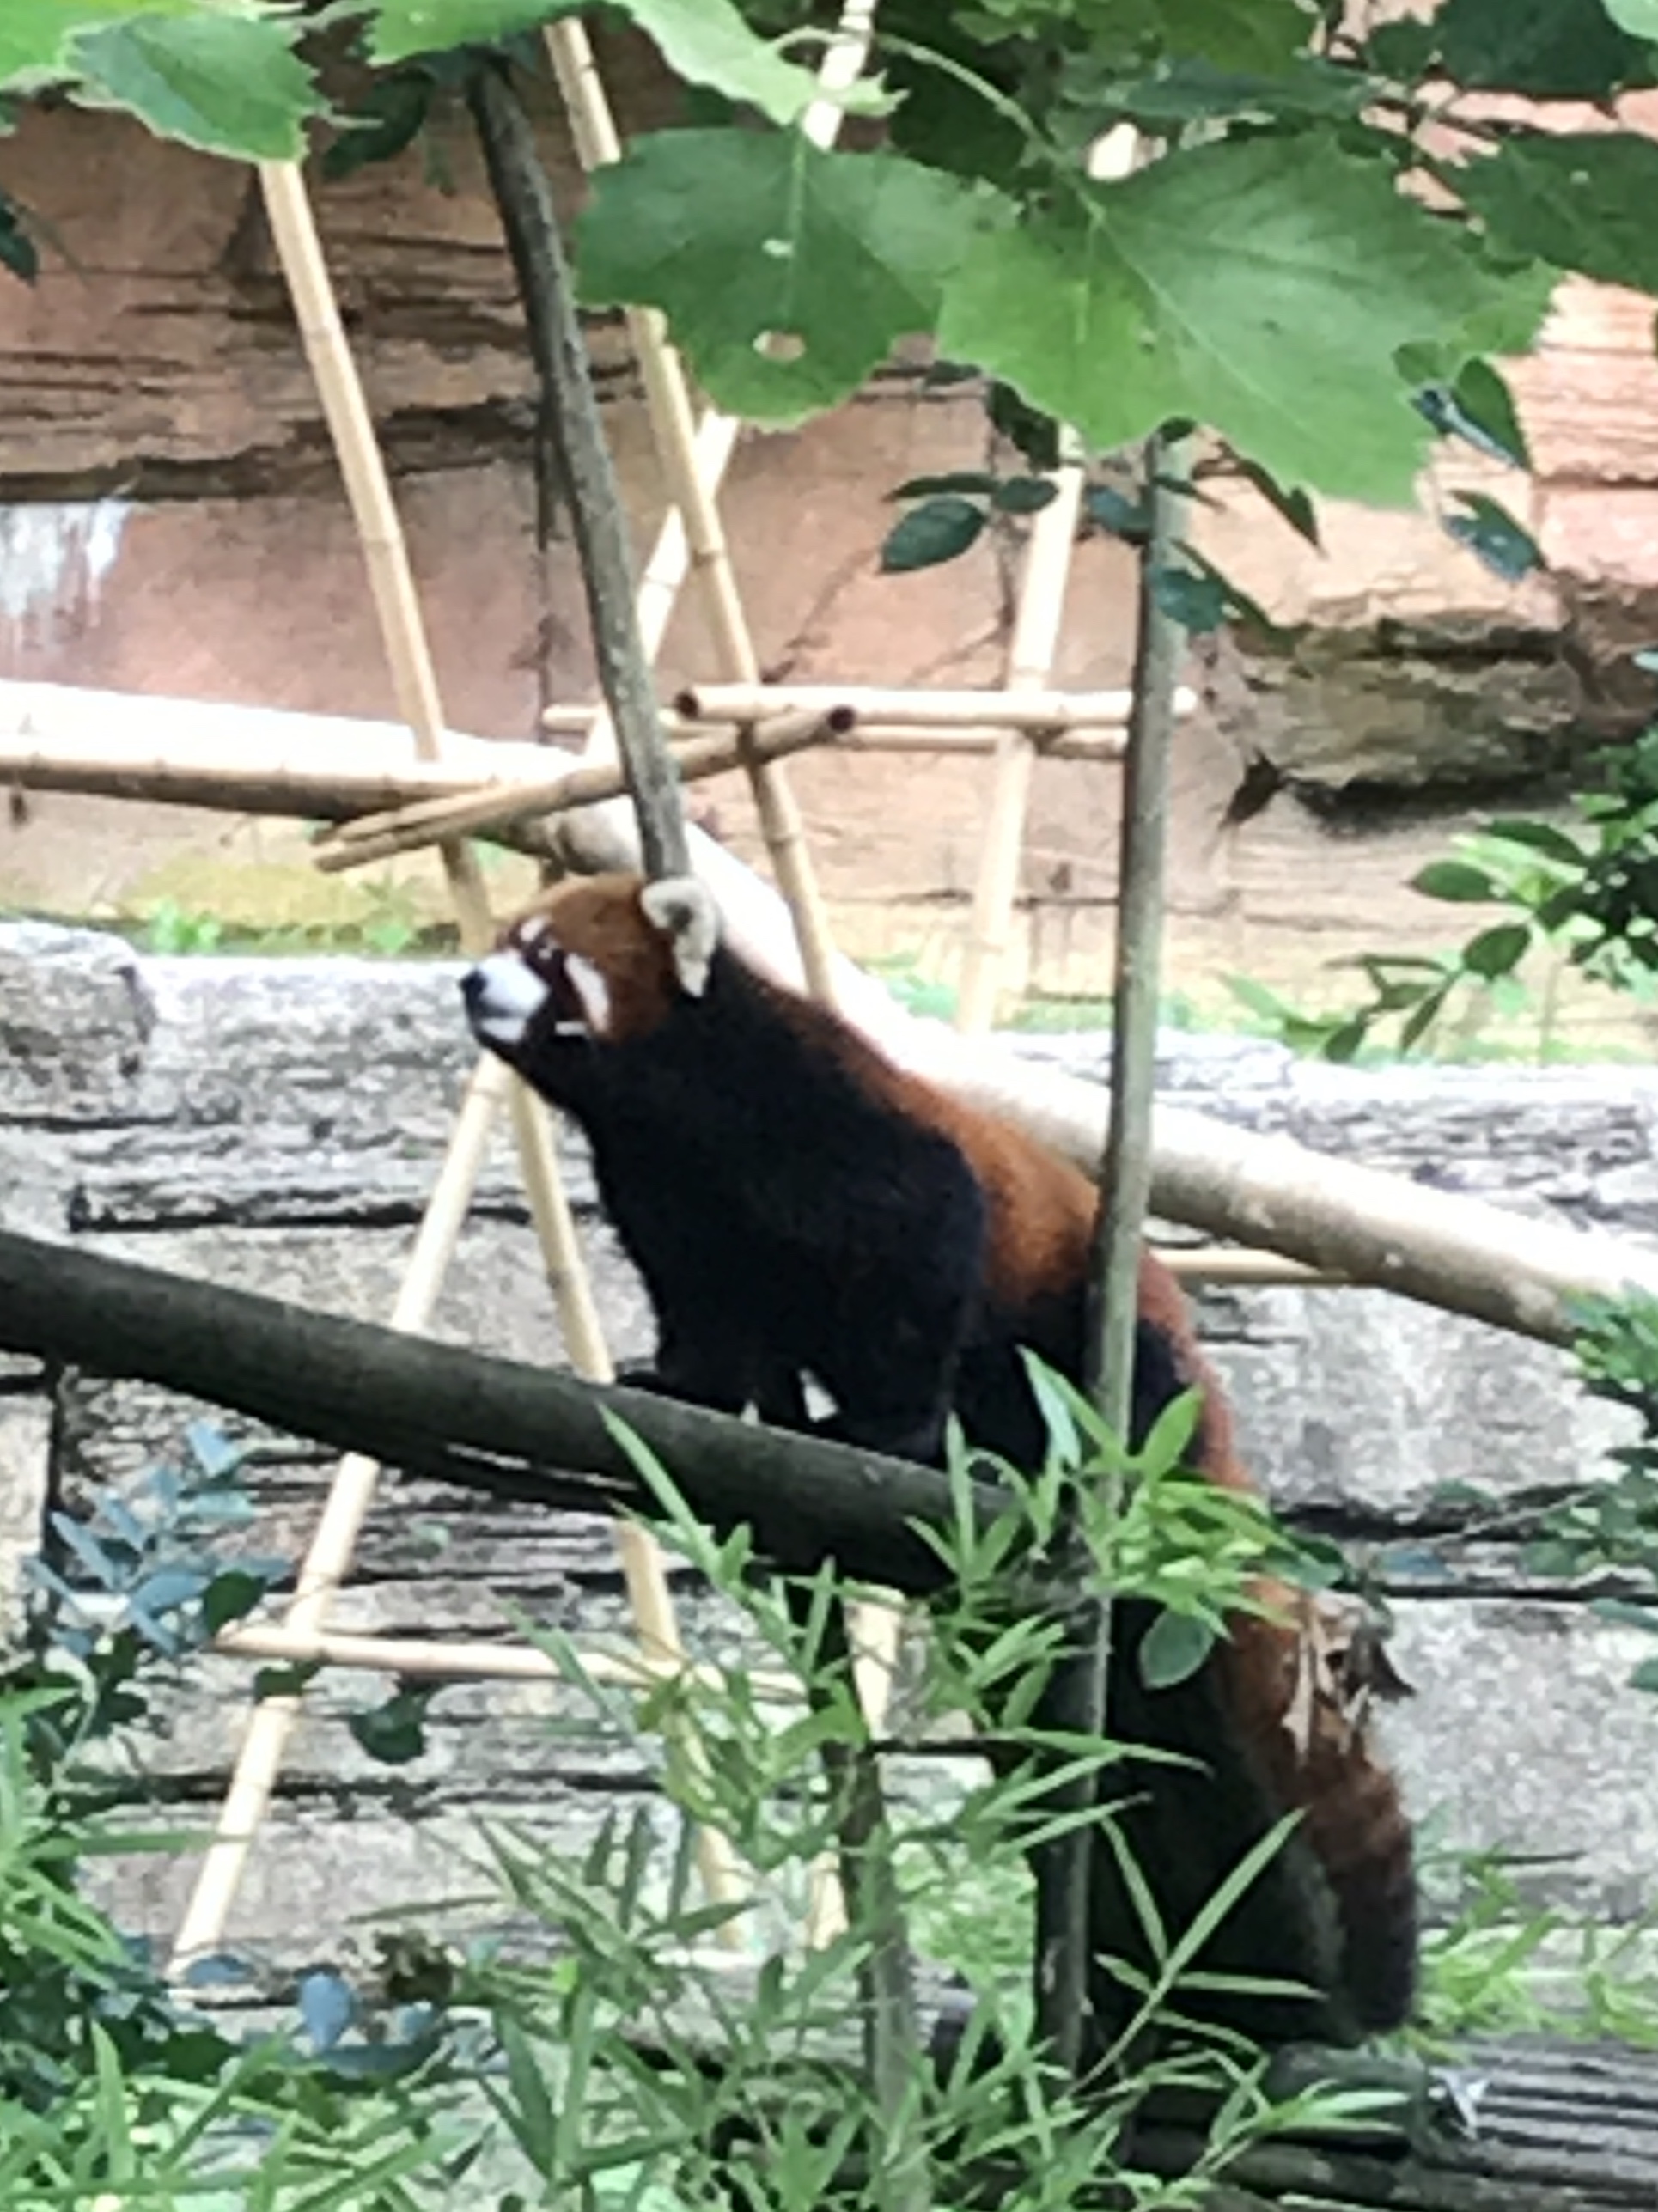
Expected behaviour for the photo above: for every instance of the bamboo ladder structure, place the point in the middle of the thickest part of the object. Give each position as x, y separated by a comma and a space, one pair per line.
698, 541
694, 456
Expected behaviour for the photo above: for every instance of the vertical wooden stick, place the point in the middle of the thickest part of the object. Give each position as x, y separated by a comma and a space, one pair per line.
328, 1560
1030, 667
1075, 1704
1031, 657
391, 583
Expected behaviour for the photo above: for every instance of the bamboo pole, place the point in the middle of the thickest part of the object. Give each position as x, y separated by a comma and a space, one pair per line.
1091, 742
1030, 667
333, 1544
423, 1659
429, 821
1033, 707
308, 780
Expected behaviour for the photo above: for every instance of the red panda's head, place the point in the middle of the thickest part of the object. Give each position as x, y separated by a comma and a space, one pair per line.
596, 962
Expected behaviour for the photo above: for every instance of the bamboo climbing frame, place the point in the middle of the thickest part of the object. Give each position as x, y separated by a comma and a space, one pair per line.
735, 719
380, 532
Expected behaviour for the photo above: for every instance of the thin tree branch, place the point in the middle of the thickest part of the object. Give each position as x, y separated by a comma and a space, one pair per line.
570, 413
1078, 1696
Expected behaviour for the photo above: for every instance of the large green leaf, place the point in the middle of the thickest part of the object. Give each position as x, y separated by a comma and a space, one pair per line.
705, 41
1262, 286
1638, 17
1232, 34
1560, 49
36, 35
1584, 201
227, 83
736, 234
399, 28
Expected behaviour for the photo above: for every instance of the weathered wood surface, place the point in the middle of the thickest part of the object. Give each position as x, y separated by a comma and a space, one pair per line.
1519, 2126
277, 1125
1524, 2125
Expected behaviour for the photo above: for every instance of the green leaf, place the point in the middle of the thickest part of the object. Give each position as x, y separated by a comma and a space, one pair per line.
1497, 952
1454, 880
1484, 400
1290, 501
736, 234
1581, 200
1489, 531
706, 42
1559, 49
1196, 601
1638, 17
1229, 34
1034, 434
1540, 837
1191, 89
1645, 1676
1478, 408
1115, 511
1262, 286
403, 29
978, 481
230, 1596
224, 83
17, 251
327, 2006
1024, 495
1413, 1031
387, 119
938, 530
36, 35
393, 1733
1173, 1649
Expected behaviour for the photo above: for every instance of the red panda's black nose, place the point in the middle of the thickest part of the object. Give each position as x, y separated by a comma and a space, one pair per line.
473, 985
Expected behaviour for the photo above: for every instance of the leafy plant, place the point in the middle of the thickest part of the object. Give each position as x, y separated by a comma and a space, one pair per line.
112, 2091
1588, 898
633, 2063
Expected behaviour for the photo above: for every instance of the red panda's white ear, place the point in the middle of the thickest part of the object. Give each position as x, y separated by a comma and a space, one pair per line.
686, 914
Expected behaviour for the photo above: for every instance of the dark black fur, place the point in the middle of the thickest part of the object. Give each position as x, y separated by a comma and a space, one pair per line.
785, 1220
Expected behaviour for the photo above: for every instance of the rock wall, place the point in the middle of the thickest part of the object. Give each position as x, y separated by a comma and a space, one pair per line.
277, 1125
171, 522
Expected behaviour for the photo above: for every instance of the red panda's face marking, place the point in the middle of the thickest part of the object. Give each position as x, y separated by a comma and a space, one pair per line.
593, 963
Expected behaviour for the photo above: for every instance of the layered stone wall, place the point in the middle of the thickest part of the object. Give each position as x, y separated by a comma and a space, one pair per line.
171, 522
277, 1125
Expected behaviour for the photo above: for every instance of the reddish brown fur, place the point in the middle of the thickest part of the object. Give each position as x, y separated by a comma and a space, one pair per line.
601, 918
1042, 1213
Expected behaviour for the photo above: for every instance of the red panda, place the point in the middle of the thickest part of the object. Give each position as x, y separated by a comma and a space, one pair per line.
799, 1207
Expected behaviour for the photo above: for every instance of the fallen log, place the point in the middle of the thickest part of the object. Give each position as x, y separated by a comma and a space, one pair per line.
1448, 1250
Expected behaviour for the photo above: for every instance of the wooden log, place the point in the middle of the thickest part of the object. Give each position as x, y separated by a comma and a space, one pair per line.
1339, 1219
1459, 1253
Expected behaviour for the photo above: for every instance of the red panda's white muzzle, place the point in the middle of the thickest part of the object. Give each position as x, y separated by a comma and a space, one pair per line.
510, 992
